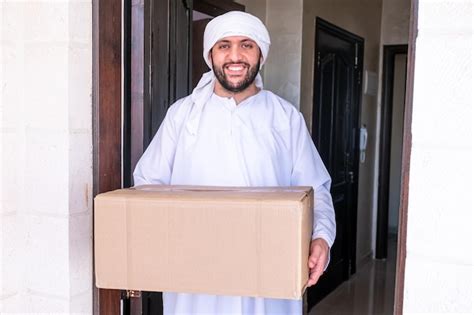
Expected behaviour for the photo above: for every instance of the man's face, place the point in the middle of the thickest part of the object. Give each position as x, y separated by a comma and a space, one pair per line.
235, 62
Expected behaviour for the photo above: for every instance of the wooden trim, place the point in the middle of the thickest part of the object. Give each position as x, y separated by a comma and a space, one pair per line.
389, 53
107, 91
127, 92
406, 155
95, 141
134, 116
216, 7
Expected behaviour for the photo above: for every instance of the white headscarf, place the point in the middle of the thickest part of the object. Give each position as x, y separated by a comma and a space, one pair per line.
234, 23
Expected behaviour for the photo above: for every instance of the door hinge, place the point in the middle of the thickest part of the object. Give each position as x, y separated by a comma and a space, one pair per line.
319, 59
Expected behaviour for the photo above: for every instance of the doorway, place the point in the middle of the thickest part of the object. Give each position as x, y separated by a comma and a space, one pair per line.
162, 63
391, 135
107, 136
336, 107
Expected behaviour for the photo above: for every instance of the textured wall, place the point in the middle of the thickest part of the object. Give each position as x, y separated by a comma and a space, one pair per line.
362, 18
395, 22
282, 71
283, 68
439, 262
46, 151
255, 7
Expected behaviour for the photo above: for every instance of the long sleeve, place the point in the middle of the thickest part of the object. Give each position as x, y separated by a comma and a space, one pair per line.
156, 164
309, 170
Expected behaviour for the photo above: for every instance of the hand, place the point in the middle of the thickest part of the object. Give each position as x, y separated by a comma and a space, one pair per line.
318, 257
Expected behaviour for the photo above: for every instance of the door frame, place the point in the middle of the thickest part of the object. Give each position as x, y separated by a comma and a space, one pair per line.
349, 242
406, 155
106, 108
106, 118
389, 53
324, 25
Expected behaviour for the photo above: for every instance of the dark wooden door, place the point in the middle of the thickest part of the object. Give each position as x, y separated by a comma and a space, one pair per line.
160, 67
337, 88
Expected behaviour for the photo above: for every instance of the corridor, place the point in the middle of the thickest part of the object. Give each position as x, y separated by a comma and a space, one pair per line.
368, 292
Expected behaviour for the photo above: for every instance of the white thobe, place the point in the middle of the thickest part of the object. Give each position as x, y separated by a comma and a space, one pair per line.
263, 141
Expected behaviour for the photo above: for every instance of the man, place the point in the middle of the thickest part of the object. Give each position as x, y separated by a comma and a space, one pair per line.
231, 132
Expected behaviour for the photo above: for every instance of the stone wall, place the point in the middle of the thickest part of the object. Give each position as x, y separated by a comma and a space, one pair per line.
46, 151
439, 263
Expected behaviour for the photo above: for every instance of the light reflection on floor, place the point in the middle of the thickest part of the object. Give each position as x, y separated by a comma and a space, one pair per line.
369, 291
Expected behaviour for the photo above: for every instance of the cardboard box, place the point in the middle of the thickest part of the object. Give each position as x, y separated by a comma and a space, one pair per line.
213, 240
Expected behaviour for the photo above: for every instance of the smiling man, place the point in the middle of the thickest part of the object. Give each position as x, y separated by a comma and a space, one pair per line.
236, 62
232, 132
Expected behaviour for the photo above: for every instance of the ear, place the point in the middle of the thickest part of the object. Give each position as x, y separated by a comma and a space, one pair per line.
209, 57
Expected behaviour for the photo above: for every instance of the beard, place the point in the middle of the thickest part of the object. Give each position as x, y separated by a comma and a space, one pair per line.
240, 86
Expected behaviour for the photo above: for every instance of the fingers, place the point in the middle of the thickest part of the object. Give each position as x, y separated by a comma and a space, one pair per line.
313, 259
317, 262
316, 272
315, 255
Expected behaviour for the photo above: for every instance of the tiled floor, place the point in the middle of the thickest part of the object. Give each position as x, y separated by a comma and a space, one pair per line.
369, 291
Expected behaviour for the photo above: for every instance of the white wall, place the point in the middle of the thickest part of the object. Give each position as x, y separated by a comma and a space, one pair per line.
439, 262
46, 152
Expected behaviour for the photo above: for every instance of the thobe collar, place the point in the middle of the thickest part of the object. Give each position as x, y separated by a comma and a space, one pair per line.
201, 95
230, 103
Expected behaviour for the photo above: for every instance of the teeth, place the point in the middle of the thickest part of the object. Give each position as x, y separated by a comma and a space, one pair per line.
235, 68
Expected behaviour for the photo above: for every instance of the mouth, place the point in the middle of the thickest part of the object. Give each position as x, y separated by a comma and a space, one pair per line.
235, 69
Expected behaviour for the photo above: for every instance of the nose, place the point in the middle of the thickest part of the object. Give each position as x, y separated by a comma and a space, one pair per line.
235, 54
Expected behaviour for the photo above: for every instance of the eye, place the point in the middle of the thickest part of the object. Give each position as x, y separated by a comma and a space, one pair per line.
247, 45
223, 46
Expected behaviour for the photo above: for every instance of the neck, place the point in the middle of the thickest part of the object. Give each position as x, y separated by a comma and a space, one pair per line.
237, 96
